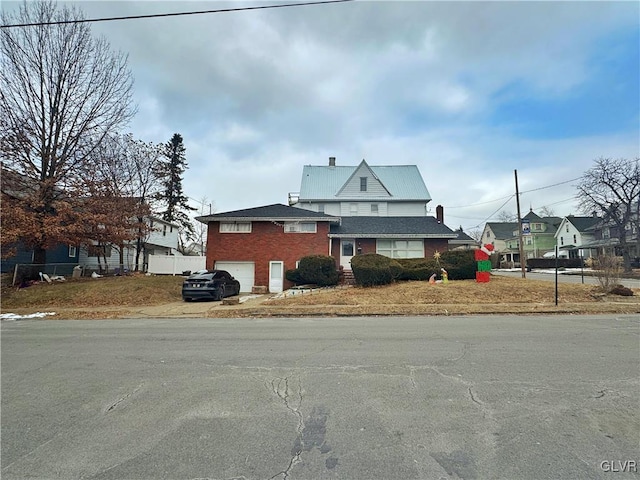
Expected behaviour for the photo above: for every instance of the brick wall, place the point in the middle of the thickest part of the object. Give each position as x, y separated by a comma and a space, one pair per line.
266, 242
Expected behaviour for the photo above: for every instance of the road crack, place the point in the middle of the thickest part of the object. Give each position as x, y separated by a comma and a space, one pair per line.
292, 399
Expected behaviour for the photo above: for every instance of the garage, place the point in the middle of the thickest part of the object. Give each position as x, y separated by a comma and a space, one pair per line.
244, 272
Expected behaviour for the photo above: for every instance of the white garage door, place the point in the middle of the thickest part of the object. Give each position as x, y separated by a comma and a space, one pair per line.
244, 272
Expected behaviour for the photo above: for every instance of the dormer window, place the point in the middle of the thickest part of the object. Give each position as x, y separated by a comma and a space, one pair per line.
363, 184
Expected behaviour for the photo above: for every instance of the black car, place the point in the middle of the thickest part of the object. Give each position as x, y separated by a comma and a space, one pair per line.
213, 284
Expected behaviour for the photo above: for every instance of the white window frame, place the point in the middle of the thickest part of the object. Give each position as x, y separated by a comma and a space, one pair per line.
374, 208
300, 227
235, 227
72, 251
400, 248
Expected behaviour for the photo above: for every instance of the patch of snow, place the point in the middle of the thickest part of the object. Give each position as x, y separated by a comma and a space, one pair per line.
15, 316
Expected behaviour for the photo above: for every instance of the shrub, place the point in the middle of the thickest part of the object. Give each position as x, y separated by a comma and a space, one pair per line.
459, 264
607, 271
317, 269
373, 269
418, 268
293, 275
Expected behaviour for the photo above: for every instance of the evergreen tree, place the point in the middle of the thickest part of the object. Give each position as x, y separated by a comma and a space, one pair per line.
171, 170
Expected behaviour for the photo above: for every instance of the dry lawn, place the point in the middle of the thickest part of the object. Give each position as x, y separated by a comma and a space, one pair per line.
116, 297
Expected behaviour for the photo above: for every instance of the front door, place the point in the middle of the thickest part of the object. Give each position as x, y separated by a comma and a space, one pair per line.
347, 249
276, 276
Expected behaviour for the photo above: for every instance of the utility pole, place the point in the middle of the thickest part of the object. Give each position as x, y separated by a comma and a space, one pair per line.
520, 236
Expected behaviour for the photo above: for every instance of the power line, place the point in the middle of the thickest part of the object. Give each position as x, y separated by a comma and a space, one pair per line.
511, 196
175, 14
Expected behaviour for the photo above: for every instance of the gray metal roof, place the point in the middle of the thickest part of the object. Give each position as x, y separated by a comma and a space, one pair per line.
391, 227
276, 211
404, 182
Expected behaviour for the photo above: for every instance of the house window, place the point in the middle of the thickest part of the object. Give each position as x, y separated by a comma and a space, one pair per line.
170, 228
529, 242
363, 184
537, 226
400, 248
374, 208
321, 208
235, 227
72, 251
300, 227
575, 239
164, 230
606, 232
561, 240
567, 227
353, 209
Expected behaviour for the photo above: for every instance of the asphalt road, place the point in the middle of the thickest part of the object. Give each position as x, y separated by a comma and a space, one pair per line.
486, 397
566, 278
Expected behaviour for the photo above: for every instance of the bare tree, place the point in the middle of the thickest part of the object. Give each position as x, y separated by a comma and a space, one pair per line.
129, 170
476, 234
507, 217
547, 212
611, 188
61, 92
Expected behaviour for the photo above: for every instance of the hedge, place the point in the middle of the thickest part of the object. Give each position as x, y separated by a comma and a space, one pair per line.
373, 269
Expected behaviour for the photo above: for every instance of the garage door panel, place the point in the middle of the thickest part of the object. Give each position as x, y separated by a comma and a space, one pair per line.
244, 272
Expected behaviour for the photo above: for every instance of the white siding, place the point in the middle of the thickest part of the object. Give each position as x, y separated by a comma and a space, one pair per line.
163, 234
352, 188
407, 209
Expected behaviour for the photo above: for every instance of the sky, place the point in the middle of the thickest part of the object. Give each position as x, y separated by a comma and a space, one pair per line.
468, 91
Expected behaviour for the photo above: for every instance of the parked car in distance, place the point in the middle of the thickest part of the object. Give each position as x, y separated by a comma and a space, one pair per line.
212, 284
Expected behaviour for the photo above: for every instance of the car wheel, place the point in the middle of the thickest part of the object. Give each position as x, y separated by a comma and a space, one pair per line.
220, 292
186, 299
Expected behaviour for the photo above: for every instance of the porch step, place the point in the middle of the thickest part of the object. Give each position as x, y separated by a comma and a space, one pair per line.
347, 278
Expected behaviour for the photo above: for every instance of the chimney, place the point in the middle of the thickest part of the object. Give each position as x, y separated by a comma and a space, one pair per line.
440, 214
332, 161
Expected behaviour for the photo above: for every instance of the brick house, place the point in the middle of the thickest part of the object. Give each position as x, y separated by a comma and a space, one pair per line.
340, 211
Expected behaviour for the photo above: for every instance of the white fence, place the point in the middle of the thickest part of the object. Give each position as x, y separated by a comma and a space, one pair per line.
175, 264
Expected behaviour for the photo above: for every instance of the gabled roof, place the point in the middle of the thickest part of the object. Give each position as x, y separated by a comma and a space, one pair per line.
403, 182
502, 230
391, 227
363, 167
582, 224
276, 211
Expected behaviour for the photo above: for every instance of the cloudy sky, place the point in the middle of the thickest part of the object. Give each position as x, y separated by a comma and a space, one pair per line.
468, 91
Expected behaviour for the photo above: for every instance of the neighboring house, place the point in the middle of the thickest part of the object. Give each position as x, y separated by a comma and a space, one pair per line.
339, 211
463, 242
504, 236
497, 234
574, 233
161, 240
540, 239
606, 239
59, 259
